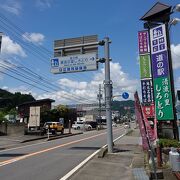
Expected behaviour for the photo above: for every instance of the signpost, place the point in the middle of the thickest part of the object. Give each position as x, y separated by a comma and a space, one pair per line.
80, 54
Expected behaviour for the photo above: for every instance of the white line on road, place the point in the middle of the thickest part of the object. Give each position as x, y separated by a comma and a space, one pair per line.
70, 173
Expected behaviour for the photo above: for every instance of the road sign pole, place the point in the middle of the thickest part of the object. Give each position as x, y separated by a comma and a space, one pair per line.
108, 86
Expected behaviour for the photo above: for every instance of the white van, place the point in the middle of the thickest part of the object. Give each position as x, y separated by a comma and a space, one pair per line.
80, 125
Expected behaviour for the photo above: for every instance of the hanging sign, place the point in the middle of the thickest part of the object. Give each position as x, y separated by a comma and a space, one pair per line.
161, 74
146, 89
145, 66
143, 40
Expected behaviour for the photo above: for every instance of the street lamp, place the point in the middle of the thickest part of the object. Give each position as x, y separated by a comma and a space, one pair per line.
174, 21
177, 8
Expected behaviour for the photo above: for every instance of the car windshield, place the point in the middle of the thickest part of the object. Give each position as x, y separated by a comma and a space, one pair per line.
48, 123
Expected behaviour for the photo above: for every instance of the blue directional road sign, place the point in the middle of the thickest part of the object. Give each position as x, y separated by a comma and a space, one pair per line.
125, 95
74, 63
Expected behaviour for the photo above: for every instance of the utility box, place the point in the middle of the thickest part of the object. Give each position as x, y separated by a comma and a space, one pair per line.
174, 159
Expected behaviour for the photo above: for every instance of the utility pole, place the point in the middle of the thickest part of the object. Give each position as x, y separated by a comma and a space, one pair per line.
108, 97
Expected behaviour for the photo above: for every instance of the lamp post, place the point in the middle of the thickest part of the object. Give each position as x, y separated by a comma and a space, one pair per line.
174, 21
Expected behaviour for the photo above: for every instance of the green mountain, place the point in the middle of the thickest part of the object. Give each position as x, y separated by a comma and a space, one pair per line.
123, 106
10, 100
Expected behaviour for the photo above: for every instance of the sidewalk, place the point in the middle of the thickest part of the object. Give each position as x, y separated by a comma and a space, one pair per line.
125, 163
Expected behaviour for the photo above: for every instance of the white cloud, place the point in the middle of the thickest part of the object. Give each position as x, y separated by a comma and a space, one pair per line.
5, 88
44, 4
79, 90
37, 38
73, 92
11, 48
11, 6
175, 51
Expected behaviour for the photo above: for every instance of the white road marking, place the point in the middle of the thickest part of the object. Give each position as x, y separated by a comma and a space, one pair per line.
70, 173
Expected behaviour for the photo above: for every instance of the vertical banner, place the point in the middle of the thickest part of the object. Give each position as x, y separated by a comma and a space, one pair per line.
139, 117
147, 133
161, 74
147, 91
148, 114
143, 40
145, 66
148, 110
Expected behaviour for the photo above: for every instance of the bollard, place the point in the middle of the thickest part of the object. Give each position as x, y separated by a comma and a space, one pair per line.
158, 152
69, 126
48, 133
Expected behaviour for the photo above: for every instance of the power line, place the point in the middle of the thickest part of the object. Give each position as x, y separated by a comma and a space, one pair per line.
12, 28
4, 20
40, 82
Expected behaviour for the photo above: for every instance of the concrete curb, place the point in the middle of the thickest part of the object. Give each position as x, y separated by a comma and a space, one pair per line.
62, 136
51, 137
104, 149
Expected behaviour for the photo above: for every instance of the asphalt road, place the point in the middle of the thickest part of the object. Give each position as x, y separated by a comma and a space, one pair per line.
53, 159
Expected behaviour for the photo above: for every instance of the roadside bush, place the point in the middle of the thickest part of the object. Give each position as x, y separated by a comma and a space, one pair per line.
169, 143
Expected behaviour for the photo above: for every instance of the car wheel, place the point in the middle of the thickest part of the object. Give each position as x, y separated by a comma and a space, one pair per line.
54, 132
78, 128
62, 132
89, 128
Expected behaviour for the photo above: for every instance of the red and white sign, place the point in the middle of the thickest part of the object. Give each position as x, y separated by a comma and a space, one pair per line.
148, 110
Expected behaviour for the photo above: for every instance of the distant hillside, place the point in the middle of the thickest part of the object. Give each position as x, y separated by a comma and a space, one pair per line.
120, 106
9, 100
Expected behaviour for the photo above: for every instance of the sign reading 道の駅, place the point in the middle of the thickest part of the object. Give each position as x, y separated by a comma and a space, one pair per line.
161, 74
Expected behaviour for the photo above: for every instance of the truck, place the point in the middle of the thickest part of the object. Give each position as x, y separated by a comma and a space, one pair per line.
90, 117
33, 126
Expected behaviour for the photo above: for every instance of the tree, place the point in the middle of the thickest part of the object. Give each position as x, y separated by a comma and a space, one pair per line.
10, 101
2, 118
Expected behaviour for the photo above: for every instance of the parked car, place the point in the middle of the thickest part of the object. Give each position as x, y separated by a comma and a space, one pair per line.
81, 125
53, 127
93, 124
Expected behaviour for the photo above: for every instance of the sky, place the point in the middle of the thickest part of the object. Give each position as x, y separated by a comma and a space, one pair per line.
30, 28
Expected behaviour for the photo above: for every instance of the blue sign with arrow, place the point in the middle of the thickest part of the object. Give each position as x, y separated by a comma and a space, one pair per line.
125, 95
